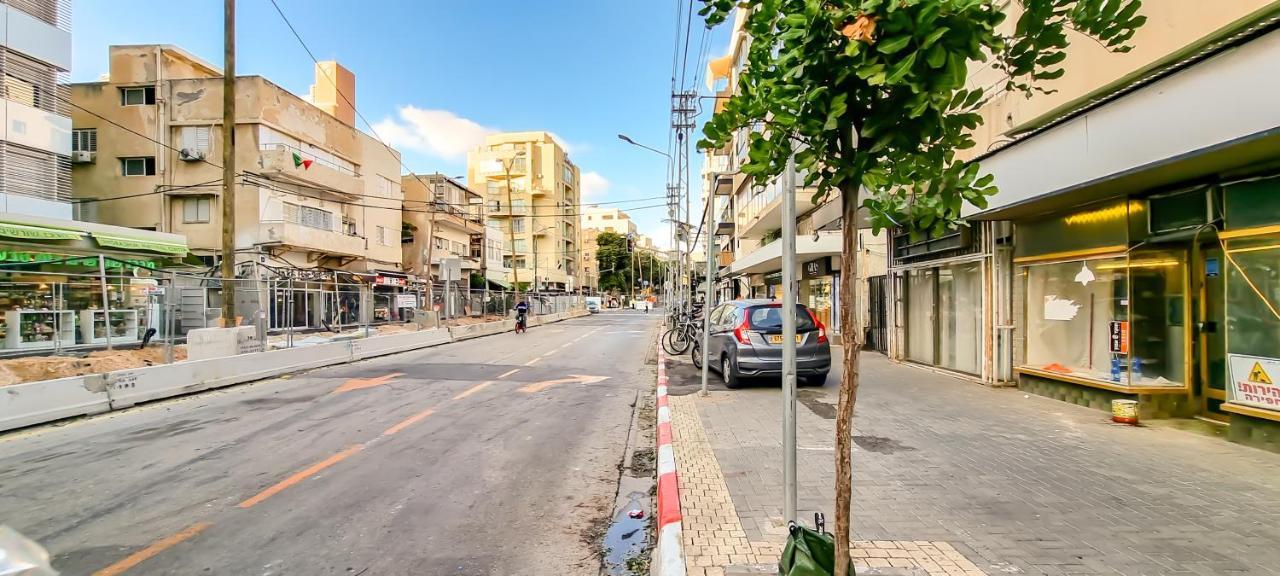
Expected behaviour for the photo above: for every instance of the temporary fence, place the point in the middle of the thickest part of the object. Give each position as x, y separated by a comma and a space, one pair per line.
143, 316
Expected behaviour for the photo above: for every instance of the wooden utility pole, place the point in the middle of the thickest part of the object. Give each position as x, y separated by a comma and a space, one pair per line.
229, 165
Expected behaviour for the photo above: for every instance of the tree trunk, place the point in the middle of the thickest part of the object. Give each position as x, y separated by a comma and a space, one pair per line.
850, 339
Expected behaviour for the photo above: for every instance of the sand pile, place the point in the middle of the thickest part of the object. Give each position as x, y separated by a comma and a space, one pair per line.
34, 368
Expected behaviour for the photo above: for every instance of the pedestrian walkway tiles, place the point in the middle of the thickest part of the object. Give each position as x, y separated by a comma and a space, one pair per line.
713, 534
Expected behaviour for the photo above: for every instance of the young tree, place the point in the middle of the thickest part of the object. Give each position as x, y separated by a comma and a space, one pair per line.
870, 97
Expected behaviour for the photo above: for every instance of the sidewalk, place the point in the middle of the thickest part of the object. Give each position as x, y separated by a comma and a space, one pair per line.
955, 478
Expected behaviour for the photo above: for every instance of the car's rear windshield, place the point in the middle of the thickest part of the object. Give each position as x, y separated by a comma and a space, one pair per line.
769, 318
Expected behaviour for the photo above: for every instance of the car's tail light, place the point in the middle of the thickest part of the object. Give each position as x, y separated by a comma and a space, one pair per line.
741, 332
822, 329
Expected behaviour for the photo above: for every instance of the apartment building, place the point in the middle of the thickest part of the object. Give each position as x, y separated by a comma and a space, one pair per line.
608, 220
749, 222
531, 192
317, 201
63, 283
1133, 249
442, 221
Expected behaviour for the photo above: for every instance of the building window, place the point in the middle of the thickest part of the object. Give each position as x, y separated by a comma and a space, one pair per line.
84, 140
518, 204
943, 306
194, 141
195, 209
308, 216
520, 245
138, 96
142, 166
495, 206
382, 235
518, 225
386, 188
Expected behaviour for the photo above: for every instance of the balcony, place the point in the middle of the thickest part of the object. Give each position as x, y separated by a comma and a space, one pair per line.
724, 259
276, 162
317, 241
764, 211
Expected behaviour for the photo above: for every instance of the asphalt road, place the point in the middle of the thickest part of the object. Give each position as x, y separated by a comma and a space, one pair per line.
487, 456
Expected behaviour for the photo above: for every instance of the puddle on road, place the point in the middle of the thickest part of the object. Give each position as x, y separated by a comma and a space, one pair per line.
626, 542
812, 400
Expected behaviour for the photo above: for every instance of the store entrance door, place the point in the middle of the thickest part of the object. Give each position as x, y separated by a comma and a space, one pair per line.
1211, 331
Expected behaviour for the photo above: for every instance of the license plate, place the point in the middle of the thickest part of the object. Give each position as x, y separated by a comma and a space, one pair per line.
777, 338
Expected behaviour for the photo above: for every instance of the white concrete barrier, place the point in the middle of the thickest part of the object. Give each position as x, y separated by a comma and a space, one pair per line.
392, 343
48, 400
129, 387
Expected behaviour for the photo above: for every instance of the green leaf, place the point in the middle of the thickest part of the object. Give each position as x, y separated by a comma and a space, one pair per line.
934, 36
837, 110
893, 45
901, 68
936, 57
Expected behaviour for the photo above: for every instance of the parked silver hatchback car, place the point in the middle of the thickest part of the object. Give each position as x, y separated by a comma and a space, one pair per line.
746, 342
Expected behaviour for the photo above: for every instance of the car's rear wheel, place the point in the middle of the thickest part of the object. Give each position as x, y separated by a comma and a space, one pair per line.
728, 372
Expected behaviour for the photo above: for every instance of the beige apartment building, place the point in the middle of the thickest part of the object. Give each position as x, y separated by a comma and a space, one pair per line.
442, 220
608, 220
318, 200
541, 219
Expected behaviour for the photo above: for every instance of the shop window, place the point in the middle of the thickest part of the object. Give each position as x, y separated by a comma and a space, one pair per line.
1119, 320
1105, 225
1251, 204
920, 314
1071, 308
1253, 302
944, 312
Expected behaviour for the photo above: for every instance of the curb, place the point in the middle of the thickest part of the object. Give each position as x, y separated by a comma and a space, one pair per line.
670, 546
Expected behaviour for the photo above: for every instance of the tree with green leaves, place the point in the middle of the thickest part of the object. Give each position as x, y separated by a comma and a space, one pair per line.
870, 98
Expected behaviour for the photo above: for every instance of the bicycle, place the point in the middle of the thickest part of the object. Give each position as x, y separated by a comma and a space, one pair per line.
676, 340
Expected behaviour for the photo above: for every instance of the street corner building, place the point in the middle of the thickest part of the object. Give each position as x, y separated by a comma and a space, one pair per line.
1133, 251
64, 282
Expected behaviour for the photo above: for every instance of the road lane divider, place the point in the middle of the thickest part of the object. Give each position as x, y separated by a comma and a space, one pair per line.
508, 373
297, 477
410, 421
155, 548
472, 390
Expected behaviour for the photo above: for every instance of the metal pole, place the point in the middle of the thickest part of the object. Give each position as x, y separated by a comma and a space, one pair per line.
106, 301
169, 294
228, 164
707, 297
511, 231
789, 338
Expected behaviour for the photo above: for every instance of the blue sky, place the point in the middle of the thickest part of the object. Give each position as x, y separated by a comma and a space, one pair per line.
434, 75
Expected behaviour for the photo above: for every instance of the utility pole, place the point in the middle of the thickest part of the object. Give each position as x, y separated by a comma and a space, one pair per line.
511, 226
229, 164
789, 313
707, 297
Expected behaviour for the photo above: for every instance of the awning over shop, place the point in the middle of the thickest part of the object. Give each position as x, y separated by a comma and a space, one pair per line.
26, 232
769, 258
126, 243
505, 285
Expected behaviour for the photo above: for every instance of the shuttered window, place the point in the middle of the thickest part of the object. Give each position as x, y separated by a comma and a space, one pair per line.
33, 83
195, 139
308, 216
84, 140
36, 173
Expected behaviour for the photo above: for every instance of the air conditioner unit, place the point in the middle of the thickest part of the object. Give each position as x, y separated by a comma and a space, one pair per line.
190, 155
83, 157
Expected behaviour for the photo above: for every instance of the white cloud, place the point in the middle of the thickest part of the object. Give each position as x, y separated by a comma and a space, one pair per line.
571, 149
661, 235
438, 133
594, 186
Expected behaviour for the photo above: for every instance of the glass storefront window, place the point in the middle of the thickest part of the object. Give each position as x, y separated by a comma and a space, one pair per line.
820, 299
959, 317
1121, 320
920, 312
1253, 326
1071, 310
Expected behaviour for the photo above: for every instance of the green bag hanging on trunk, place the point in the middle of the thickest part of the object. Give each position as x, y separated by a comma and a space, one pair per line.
809, 552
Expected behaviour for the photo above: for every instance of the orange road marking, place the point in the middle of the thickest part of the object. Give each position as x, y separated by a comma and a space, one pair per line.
472, 390
509, 372
146, 553
410, 421
574, 378
532, 362
359, 383
300, 476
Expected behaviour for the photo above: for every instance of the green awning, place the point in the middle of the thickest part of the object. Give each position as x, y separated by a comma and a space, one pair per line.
27, 232
125, 243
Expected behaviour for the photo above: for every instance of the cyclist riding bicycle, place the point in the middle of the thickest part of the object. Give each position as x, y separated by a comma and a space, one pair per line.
522, 313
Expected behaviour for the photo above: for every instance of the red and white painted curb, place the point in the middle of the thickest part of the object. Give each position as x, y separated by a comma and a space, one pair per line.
670, 545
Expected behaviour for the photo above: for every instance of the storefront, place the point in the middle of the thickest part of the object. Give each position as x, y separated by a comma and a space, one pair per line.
1170, 299
387, 286
940, 306
66, 284
819, 279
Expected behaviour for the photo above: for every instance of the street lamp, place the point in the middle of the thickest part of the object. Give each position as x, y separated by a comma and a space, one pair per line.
674, 234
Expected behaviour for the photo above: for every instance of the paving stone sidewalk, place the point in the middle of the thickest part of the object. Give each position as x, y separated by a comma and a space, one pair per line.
955, 478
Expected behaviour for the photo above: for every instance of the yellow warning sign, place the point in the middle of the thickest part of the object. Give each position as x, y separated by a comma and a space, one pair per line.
1258, 375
